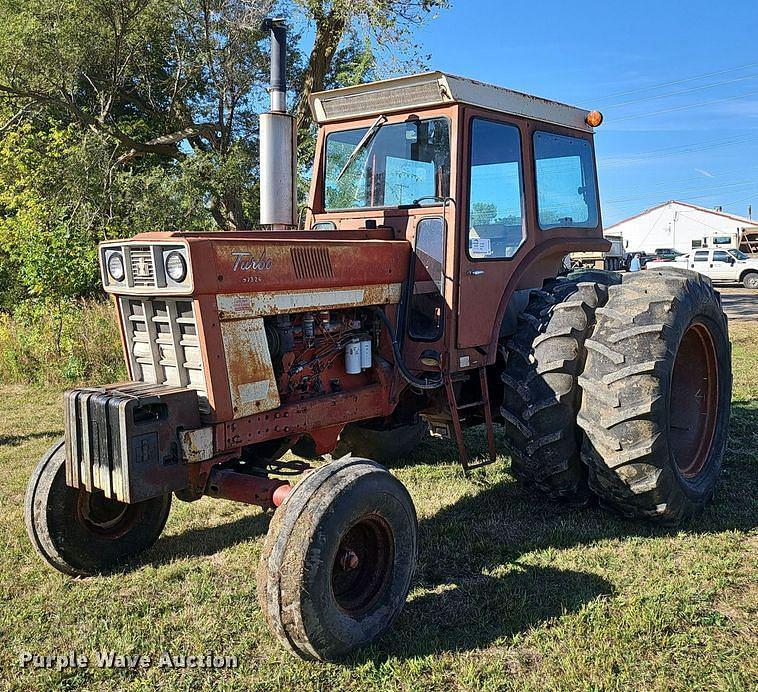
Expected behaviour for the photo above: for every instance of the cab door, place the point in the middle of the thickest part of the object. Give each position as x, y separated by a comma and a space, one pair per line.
700, 261
492, 223
722, 266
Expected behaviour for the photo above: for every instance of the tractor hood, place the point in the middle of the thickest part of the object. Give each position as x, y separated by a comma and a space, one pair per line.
252, 262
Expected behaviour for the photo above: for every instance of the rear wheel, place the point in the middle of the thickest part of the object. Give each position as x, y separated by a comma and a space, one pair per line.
541, 396
338, 559
81, 533
657, 395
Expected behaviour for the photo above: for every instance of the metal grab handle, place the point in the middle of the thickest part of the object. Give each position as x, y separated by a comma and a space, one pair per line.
475, 272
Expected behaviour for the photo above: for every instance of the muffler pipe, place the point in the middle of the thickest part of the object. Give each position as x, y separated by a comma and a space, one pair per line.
278, 147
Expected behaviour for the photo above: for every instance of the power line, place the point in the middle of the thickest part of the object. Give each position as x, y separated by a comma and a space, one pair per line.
681, 108
682, 91
677, 81
665, 152
688, 190
741, 200
664, 183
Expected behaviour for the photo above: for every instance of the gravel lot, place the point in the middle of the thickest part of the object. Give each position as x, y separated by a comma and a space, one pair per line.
738, 302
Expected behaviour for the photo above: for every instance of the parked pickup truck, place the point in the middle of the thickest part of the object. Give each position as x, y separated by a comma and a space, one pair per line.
722, 265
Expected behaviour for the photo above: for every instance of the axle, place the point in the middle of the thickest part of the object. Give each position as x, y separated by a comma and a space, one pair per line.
227, 484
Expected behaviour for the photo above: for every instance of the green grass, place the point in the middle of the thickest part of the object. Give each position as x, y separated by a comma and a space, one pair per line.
511, 591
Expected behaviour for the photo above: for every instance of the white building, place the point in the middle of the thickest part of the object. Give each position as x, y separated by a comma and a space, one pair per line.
680, 226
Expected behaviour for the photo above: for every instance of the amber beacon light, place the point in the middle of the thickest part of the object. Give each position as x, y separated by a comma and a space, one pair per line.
594, 118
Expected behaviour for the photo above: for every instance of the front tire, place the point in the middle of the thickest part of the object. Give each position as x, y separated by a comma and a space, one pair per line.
80, 533
750, 280
338, 559
657, 396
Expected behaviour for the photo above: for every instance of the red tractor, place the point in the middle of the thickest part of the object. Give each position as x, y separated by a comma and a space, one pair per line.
423, 292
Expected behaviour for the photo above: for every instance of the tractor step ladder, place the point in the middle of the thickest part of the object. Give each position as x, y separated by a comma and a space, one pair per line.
484, 404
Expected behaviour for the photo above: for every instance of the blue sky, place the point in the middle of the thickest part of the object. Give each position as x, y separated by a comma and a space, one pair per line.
702, 149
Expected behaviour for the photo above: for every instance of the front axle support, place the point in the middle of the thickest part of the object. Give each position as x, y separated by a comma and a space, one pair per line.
265, 492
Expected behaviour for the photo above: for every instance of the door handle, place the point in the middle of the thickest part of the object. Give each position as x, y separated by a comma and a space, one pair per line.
475, 272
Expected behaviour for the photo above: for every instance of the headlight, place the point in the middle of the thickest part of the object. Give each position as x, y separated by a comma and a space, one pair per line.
176, 267
116, 266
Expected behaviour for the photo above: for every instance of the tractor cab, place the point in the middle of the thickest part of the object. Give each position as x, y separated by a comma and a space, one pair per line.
491, 187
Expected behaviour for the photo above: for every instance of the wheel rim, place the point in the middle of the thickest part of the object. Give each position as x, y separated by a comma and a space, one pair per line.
752, 281
363, 565
105, 517
694, 401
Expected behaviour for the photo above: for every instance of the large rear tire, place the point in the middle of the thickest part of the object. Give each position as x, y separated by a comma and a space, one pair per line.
81, 533
657, 395
338, 559
541, 396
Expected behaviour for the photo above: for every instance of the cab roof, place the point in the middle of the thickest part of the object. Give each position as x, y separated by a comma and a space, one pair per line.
438, 89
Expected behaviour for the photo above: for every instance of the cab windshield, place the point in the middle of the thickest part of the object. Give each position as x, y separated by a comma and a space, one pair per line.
739, 254
400, 164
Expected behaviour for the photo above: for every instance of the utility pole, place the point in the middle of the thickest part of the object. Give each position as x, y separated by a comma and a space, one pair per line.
673, 231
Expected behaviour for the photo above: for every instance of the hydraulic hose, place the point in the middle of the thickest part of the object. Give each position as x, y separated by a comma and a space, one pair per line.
425, 383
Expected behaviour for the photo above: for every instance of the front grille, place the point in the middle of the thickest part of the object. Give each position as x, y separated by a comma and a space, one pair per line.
163, 343
311, 262
143, 267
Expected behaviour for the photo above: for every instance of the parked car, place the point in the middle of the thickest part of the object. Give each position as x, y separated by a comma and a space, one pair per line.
666, 254
723, 265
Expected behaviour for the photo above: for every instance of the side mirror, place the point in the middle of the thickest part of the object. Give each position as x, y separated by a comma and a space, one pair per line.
732, 260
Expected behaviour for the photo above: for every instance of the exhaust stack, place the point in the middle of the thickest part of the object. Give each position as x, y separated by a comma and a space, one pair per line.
278, 151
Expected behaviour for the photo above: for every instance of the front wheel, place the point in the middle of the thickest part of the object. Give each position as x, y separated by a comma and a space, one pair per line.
338, 559
81, 533
750, 280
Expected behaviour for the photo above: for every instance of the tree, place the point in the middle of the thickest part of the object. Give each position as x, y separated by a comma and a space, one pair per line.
155, 78
120, 116
172, 77
483, 213
388, 26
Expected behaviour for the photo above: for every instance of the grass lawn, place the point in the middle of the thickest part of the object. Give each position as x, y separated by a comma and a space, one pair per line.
511, 591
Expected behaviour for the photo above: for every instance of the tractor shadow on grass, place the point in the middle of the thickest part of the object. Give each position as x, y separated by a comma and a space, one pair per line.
202, 542
16, 440
471, 587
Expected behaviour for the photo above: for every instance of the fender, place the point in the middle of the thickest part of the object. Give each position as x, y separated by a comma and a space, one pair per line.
538, 264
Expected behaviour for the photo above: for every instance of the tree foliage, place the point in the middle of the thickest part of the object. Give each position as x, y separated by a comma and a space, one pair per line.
120, 116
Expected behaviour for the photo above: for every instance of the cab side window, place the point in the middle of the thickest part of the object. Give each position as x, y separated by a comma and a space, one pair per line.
566, 188
721, 256
495, 215
700, 256
427, 302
